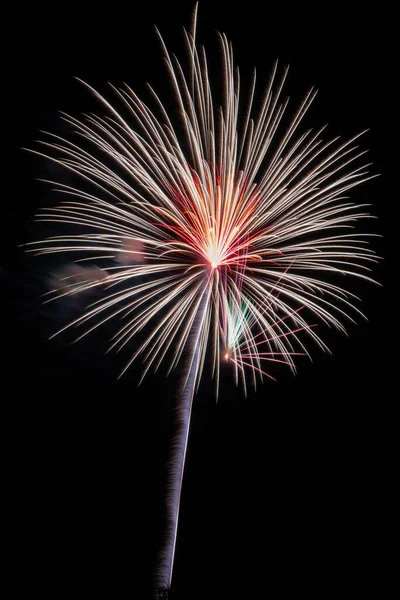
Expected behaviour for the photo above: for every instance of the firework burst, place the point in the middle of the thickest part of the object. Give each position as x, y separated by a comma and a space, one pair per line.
221, 229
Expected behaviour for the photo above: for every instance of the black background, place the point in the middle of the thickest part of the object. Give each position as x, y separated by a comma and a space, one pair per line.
282, 488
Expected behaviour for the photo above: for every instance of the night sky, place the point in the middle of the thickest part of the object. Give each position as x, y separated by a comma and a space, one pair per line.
280, 488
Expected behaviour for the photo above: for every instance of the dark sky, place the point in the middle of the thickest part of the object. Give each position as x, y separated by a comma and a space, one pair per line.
280, 488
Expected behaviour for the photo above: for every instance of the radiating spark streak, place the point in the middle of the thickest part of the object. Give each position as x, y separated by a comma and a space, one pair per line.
242, 363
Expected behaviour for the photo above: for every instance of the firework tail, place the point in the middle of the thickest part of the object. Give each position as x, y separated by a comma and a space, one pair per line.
176, 466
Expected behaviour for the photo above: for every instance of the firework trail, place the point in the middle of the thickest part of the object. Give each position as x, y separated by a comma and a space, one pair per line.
219, 229
179, 447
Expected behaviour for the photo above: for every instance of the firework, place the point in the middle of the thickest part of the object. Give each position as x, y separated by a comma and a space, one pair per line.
215, 232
